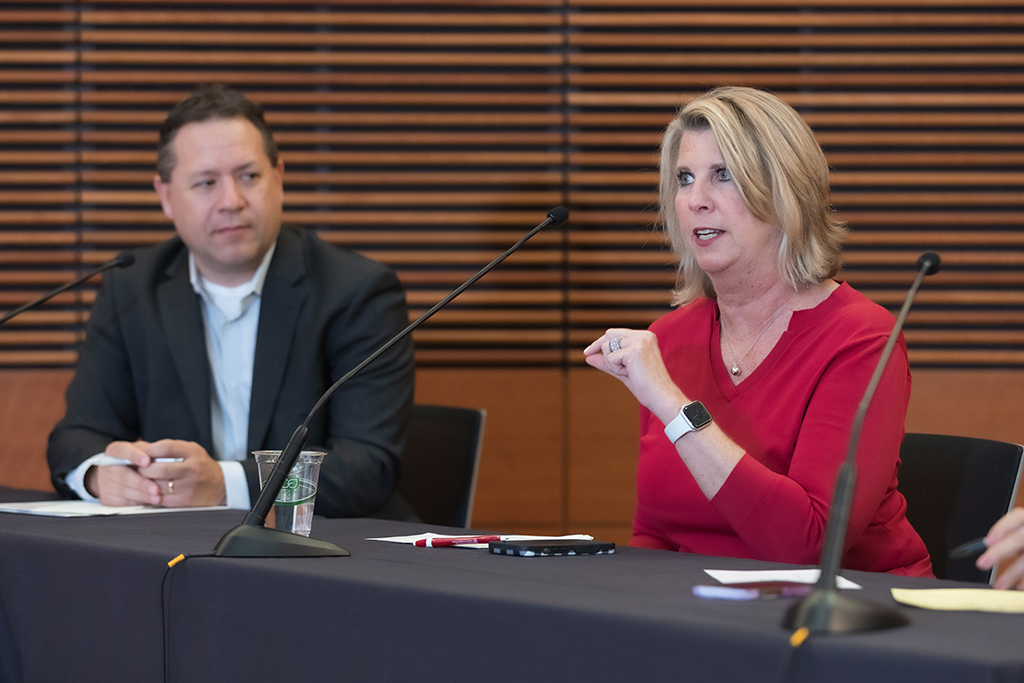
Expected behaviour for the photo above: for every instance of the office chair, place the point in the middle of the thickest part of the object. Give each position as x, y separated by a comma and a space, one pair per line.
439, 466
956, 488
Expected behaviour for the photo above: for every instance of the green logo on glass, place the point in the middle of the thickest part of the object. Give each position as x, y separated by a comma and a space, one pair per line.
296, 491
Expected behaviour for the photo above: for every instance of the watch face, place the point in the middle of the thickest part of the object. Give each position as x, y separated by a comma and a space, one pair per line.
697, 414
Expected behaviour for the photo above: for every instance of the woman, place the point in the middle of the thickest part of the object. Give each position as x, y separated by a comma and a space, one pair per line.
748, 389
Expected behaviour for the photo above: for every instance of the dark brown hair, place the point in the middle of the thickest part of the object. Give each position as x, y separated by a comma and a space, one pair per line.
206, 103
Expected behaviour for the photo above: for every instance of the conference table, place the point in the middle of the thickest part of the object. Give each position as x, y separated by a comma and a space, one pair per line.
93, 599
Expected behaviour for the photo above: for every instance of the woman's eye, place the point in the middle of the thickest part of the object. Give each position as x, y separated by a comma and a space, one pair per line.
723, 174
684, 177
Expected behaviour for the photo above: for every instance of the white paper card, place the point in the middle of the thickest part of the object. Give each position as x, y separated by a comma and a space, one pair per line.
729, 576
85, 508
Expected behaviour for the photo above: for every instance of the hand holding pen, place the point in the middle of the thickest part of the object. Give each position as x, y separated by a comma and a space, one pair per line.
1004, 543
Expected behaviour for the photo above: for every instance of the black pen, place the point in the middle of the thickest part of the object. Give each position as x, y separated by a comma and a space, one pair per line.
975, 547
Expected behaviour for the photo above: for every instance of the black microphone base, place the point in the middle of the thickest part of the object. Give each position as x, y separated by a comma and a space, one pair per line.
260, 541
829, 611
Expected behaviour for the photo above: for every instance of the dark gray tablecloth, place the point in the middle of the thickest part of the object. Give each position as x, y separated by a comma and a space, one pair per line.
85, 600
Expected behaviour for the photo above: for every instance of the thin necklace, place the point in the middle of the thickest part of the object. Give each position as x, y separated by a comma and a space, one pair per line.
735, 369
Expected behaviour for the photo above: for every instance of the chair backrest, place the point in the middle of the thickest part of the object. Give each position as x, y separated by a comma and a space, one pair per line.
956, 488
439, 467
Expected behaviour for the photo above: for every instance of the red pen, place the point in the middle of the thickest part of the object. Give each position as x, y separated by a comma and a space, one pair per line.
453, 540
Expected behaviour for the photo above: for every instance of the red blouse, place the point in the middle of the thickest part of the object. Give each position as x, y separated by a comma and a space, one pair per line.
793, 417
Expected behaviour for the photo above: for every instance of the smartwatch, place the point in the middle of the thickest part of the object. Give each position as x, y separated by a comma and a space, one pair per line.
691, 417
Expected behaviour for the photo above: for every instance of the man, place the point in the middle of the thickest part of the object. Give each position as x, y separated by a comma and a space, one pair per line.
220, 341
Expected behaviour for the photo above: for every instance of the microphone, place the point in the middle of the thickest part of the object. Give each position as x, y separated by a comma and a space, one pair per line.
929, 263
825, 609
120, 261
252, 538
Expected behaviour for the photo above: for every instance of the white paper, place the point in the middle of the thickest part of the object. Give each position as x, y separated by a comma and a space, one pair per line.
411, 540
729, 576
86, 508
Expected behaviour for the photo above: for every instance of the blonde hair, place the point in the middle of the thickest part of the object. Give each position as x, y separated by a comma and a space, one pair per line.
781, 175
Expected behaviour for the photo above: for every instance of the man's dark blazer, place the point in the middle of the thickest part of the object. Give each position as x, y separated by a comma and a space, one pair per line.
143, 371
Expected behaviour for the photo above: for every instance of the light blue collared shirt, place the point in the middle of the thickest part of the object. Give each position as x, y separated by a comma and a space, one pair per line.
231, 316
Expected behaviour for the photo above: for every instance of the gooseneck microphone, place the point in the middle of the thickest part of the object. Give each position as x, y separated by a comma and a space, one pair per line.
252, 538
120, 261
825, 609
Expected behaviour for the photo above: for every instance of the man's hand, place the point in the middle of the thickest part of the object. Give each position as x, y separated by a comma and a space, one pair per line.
122, 484
192, 479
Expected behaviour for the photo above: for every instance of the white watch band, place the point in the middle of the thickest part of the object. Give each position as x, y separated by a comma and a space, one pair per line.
675, 429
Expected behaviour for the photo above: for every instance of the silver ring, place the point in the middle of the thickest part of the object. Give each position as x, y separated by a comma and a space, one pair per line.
170, 486
615, 344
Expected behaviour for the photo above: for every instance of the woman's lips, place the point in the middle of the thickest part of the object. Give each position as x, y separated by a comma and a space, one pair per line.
706, 234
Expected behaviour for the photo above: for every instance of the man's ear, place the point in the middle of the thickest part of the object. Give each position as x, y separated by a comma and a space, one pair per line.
162, 191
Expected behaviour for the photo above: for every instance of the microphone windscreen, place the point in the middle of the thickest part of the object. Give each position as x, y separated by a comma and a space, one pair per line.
930, 262
126, 259
558, 215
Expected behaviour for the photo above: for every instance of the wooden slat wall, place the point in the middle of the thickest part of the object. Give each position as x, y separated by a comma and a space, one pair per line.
431, 134
426, 135
918, 105
39, 172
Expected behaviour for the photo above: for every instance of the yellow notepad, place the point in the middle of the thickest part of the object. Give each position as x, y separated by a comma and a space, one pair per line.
962, 599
